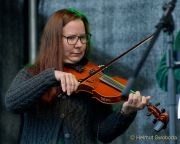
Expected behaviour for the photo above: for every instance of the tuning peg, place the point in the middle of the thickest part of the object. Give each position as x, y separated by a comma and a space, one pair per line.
163, 110
154, 121
148, 114
157, 104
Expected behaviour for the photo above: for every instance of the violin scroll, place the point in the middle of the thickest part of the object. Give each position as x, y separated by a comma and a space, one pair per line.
161, 117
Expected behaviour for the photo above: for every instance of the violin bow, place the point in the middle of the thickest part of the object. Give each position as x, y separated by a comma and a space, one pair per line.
115, 59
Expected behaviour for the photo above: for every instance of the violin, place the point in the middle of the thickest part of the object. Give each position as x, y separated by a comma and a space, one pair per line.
104, 88
108, 90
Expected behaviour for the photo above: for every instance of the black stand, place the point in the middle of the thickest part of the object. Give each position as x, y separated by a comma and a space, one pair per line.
164, 23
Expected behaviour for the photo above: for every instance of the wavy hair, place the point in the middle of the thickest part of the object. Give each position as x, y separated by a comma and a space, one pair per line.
51, 48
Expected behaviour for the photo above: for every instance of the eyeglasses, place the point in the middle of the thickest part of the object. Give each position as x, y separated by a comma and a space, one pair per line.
72, 40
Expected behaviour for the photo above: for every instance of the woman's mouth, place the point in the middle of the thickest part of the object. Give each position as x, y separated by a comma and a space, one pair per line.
76, 54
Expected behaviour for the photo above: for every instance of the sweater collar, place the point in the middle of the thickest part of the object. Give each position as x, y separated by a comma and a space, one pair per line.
79, 66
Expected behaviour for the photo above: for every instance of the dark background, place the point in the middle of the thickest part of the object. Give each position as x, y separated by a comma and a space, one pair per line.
115, 27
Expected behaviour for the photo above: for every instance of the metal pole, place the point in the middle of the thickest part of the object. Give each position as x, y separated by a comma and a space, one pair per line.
171, 89
32, 30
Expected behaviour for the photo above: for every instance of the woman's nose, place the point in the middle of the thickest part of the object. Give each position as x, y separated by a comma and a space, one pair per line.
78, 43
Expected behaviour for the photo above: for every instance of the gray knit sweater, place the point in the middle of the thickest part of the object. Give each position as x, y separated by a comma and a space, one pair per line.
77, 119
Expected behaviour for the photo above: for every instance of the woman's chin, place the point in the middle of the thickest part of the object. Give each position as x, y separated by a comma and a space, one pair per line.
73, 60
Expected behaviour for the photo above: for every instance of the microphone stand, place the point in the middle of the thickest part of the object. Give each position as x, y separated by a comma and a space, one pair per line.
171, 87
163, 24
172, 63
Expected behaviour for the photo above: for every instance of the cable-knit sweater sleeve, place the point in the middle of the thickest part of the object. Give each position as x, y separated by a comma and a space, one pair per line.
26, 89
110, 124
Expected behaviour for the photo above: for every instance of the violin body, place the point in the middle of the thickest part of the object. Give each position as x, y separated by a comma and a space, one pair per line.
108, 90
98, 85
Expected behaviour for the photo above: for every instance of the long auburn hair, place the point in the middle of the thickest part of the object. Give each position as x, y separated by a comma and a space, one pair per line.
51, 48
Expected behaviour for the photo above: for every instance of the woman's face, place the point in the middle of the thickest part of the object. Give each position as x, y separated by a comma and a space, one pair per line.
73, 33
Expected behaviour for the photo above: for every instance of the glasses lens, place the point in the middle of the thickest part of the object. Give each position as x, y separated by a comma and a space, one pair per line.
85, 38
72, 39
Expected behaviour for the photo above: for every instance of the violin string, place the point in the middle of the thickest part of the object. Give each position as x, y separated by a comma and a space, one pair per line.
114, 82
111, 83
107, 79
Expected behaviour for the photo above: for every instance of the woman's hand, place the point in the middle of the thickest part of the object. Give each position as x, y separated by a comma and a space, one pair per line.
135, 102
68, 81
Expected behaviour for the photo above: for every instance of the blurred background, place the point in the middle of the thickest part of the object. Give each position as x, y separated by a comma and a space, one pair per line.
115, 27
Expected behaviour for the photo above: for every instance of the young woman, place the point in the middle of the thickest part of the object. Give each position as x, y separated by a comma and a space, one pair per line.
45, 94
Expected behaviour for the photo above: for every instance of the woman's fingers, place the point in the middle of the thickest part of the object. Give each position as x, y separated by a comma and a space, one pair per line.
135, 102
137, 98
63, 83
134, 99
68, 81
144, 102
72, 83
68, 84
76, 83
130, 99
